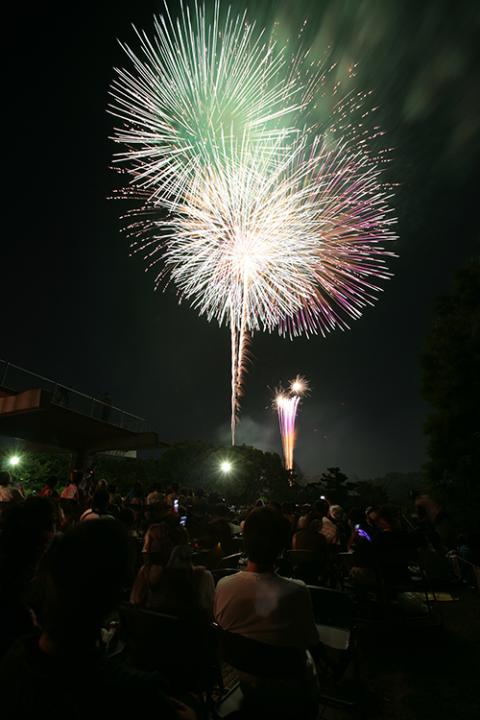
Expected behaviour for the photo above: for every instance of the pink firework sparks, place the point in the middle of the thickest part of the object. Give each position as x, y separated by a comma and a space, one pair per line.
287, 406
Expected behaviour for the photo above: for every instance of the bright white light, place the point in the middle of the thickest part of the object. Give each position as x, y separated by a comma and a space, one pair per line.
14, 460
299, 385
226, 466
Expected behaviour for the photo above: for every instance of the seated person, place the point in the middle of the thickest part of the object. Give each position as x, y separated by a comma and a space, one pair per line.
257, 602
313, 562
8, 492
60, 672
311, 539
330, 531
155, 495
100, 506
157, 547
168, 582
179, 588
221, 535
26, 531
389, 553
302, 520
71, 491
49, 489
371, 524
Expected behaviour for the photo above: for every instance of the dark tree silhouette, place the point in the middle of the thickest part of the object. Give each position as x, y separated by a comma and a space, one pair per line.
451, 384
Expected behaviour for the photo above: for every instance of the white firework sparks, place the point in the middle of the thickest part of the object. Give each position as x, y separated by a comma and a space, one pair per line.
199, 86
291, 244
299, 385
261, 217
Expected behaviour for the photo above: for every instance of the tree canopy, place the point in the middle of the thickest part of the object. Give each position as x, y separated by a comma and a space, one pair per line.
451, 385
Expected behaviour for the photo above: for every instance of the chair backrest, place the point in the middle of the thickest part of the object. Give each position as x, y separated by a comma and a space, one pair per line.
229, 561
331, 607
301, 557
435, 565
237, 541
257, 658
201, 557
178, 649
306, 565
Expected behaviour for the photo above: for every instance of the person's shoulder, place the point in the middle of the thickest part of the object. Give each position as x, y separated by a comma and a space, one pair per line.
232, 580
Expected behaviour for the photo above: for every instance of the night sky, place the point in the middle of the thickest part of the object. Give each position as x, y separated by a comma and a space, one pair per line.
77, 308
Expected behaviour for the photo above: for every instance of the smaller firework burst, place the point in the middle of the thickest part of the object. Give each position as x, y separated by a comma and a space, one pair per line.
299, 386
286, 404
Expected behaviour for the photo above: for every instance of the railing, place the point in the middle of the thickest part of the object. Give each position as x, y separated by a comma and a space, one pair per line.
17, 379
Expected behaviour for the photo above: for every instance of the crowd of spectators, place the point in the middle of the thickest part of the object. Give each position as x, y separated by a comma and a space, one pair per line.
72, 554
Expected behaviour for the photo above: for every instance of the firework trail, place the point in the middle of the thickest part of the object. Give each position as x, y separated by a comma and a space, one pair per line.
286, 405
263, 218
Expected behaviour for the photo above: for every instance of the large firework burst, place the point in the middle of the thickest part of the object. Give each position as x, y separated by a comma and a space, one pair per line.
261, 217
197, 87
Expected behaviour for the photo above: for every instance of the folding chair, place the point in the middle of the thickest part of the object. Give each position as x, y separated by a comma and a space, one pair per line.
390, 590
333, 612
183, 652
229, 561
333, 609
306, 565
274, 681
201, 557
237, 541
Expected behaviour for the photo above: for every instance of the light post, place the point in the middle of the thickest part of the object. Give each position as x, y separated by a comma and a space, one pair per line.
226, 467
14, 460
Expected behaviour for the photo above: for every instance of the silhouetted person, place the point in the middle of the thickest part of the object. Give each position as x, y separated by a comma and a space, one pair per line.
49, 489
26, 531
8, 492
60, 673
71, 490
100, 506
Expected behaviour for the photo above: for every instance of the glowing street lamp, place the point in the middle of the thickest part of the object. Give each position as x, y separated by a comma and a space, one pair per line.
226, 467
14, 460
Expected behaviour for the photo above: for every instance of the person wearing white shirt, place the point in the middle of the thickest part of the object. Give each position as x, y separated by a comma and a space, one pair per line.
258, 603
